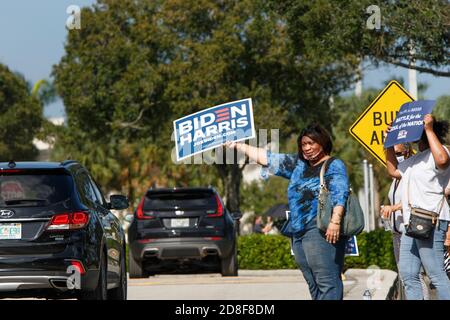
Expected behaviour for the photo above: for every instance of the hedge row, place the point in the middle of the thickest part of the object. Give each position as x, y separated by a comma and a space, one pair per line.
265, 252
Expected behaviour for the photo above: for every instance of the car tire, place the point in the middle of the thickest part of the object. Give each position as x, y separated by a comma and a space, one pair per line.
135, 268
120, 293
101, 291
229, 265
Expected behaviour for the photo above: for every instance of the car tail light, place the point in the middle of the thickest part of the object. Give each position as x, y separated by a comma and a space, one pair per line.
69, 221
213, 238
143, 241
219, 211
140, 211
78, 265
11, 170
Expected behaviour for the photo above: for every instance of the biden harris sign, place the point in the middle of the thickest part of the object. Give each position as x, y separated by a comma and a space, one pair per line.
212, 127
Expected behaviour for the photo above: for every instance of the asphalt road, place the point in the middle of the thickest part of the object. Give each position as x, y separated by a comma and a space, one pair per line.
249, 285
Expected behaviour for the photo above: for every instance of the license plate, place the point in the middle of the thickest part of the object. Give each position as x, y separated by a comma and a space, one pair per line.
179, 223
10, 231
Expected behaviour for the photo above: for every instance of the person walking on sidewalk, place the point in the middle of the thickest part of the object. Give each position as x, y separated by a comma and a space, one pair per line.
320, 256
393, 213
425, 175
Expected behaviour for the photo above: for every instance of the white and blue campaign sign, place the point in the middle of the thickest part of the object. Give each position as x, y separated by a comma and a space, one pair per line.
351, 247
408, 125
212, 127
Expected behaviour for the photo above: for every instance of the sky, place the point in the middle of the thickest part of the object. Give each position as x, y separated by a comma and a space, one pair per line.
32, 35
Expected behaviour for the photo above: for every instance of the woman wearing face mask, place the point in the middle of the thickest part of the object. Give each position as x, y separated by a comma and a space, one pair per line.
319, 256
425, 176
393, 212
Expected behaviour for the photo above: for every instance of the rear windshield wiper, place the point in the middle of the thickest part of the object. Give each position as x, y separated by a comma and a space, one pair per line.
26, 202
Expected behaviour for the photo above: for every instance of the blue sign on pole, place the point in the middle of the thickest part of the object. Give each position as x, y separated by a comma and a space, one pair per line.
351, 247
212, 127
408, 125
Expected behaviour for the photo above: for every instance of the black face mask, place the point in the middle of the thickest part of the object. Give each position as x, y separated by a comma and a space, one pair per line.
314, 157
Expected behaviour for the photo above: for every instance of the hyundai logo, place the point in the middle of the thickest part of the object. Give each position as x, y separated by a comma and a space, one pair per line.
6, 213
179, 212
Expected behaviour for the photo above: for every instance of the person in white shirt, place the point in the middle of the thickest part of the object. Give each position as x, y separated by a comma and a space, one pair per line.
425, 176
393, 211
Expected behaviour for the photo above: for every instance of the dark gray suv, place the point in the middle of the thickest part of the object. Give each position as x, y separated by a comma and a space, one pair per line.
180, 229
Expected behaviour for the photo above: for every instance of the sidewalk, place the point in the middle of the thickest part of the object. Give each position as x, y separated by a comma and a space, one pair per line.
356, 281
379, 283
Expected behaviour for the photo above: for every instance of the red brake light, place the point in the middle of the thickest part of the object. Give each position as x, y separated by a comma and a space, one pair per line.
219, 211
213, 238
146, 240
60, 219
10, 170
140, 211
69, 221
79, 218
78, 265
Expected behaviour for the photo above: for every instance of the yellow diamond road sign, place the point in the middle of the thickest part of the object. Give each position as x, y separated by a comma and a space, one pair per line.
369, 127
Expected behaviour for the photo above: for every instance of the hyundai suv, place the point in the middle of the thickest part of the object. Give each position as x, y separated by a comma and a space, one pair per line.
58, 238
181, 228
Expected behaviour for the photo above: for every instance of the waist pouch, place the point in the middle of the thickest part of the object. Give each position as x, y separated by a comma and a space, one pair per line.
421, 223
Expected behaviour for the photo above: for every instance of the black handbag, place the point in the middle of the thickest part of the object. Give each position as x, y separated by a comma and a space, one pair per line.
422, 222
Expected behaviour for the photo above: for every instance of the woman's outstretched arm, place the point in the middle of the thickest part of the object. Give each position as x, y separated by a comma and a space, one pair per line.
257, 154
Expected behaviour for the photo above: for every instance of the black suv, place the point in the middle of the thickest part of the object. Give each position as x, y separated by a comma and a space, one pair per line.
58, 238
181, 228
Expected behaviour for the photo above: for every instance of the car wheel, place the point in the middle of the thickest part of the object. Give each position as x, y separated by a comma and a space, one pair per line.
135, 268
229, 265
120, 293
100, 292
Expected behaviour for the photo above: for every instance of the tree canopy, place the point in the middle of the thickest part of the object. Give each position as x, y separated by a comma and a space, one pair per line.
338, 30
20, 117
135, 66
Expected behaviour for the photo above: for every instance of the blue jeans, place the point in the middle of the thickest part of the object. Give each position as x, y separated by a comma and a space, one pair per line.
320, 262
430, 254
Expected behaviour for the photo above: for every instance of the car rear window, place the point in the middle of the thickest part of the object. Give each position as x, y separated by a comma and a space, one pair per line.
155, 201
34, 188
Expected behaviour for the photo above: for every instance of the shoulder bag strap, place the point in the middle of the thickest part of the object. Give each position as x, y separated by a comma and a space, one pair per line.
442, 202
322, 174
396, 184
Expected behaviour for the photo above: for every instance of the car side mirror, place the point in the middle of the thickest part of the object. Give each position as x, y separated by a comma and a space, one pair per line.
236, 215
118, 202
129, 218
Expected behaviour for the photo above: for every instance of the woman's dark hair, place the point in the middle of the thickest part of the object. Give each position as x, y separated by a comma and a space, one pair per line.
440, 128
318, 134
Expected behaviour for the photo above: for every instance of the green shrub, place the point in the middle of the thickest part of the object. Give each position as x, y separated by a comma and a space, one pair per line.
258, 251
375, 248
263, 252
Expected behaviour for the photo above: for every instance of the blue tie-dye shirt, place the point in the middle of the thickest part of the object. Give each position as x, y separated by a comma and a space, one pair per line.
304, 185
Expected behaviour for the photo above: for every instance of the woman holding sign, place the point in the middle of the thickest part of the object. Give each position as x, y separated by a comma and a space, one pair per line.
425, 210
319, 256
